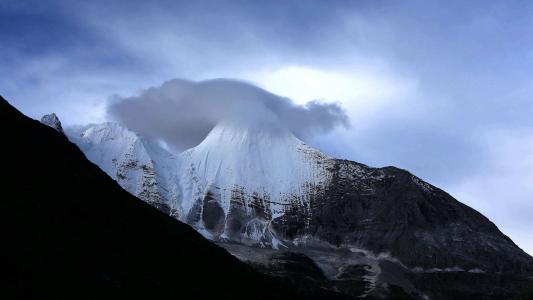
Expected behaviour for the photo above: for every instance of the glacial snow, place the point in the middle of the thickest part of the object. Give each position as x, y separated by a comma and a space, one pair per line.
269, 162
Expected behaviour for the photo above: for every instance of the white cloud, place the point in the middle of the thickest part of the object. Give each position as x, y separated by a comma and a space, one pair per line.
359, 91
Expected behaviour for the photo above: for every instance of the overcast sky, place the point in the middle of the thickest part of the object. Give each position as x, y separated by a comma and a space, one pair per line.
443, 89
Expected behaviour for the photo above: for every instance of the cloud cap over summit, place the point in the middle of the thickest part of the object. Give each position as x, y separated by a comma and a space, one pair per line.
182, 112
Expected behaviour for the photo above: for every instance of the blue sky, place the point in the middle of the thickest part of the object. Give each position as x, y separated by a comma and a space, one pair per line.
441, 88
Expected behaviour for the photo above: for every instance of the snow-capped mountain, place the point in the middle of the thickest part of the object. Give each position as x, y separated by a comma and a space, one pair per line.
240, 178
253, 183
231, 186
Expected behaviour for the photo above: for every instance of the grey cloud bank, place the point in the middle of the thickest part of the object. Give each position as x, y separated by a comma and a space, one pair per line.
182, 112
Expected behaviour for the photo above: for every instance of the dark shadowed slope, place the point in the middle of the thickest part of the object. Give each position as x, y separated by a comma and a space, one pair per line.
70, 230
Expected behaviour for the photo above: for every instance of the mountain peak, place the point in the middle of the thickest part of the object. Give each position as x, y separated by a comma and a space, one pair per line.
53, 121
247, 164
240, 133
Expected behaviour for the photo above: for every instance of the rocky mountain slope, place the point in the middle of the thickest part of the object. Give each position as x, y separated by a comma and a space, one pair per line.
71, 232
253, 183
138, 165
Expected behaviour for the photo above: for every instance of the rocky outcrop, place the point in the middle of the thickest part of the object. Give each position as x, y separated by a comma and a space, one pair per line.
53, 121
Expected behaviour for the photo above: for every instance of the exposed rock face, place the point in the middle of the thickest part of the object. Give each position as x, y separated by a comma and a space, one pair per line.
389, 210
53, 121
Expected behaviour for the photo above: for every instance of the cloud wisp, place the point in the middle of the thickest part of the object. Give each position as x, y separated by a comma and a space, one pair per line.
182, 112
